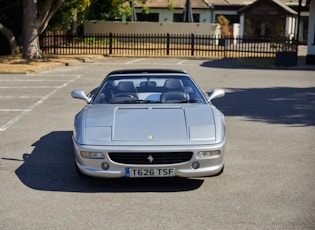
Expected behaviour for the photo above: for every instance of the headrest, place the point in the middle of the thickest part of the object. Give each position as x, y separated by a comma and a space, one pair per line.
174, 85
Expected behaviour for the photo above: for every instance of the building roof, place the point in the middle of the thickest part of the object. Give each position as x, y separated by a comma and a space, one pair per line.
179, 4
248, 2
205, 4
276, 2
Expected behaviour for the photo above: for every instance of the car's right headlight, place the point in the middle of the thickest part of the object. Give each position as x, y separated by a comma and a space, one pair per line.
92, 155
207, 154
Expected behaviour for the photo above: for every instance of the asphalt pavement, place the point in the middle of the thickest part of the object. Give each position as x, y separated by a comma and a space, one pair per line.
268, 181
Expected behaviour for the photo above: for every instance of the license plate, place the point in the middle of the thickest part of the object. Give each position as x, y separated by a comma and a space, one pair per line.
152, 172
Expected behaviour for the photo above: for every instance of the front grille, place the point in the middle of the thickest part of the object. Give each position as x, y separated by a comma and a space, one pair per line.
150, 158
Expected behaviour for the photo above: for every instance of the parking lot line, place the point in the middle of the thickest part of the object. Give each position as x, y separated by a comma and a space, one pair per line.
13, 110
20, 97
134, 61
180, 62
30, 80
29, 87
42, 99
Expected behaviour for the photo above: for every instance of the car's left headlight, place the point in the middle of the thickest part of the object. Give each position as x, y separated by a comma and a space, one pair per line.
206, 154
92, 155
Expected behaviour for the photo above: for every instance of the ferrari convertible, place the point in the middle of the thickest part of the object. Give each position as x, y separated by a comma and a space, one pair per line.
149, 123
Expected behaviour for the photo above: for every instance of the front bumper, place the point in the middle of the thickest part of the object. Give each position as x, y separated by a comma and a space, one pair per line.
208, 166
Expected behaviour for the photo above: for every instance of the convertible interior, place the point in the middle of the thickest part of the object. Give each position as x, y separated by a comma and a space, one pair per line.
165, 91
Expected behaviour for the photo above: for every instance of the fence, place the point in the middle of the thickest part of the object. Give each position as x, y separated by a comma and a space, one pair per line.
164, 45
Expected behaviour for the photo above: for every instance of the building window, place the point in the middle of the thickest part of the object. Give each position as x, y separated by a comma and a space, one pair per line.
152, 17
179, 17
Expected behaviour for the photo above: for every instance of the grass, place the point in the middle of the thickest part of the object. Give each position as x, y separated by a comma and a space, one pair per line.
16, 64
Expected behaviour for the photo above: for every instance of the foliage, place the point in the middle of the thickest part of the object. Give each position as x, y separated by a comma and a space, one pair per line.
283, 44
224, 23
46, 10
93, 41
11, 12
59, 14
116, 9
145, 10
109, 9
170, 4
70, 11
249, 28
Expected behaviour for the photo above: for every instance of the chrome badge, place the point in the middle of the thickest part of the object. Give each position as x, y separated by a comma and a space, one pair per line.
150, 158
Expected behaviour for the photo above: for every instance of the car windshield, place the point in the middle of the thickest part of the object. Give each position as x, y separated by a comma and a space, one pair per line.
153, 88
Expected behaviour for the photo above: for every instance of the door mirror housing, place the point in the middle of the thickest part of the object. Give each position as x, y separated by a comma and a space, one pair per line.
79, 94
216, 93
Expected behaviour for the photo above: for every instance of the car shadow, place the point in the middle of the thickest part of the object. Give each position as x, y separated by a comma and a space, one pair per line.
277, 105
50, 167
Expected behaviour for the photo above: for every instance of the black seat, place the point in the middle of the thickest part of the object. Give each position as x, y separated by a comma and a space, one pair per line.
126, 87
125, 91
174, 91
174, 85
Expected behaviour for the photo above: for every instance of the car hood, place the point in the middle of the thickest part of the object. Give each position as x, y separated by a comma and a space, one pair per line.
161, 124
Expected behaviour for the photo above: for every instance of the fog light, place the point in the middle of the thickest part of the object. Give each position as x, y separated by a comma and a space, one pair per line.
205, 154
195, 165
92, 155
105, 166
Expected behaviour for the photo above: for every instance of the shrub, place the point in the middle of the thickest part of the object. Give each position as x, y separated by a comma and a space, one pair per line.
224, 23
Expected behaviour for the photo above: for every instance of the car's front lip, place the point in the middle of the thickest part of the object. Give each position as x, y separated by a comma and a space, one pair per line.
179, 172
92, 167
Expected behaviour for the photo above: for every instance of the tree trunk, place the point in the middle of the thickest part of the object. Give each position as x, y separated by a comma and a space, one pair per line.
74, 24
31, 47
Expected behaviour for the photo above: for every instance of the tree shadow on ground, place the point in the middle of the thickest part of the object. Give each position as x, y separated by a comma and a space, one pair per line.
277, 105
255, 63
51, 167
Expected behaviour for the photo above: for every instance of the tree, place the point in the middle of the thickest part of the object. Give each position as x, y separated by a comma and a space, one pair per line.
116, 9
31, 47
11, 16
35, 22
36, 15
111, 9
71, 15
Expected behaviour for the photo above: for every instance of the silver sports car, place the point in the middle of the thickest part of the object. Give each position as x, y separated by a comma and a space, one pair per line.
149, 123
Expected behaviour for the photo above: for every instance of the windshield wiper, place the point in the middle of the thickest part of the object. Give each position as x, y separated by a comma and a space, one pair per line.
136, 102
125, 102
146, 101
189, 101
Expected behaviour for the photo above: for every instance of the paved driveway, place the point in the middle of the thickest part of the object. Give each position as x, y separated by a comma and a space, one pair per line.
268, 182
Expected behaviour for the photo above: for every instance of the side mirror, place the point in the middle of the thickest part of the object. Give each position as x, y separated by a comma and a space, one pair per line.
216, 93
78, 94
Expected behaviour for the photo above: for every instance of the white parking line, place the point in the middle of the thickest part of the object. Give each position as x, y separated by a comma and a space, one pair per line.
20, 97
30, 87
13, 110
181, 62
42, 99
134, 61
30, 80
